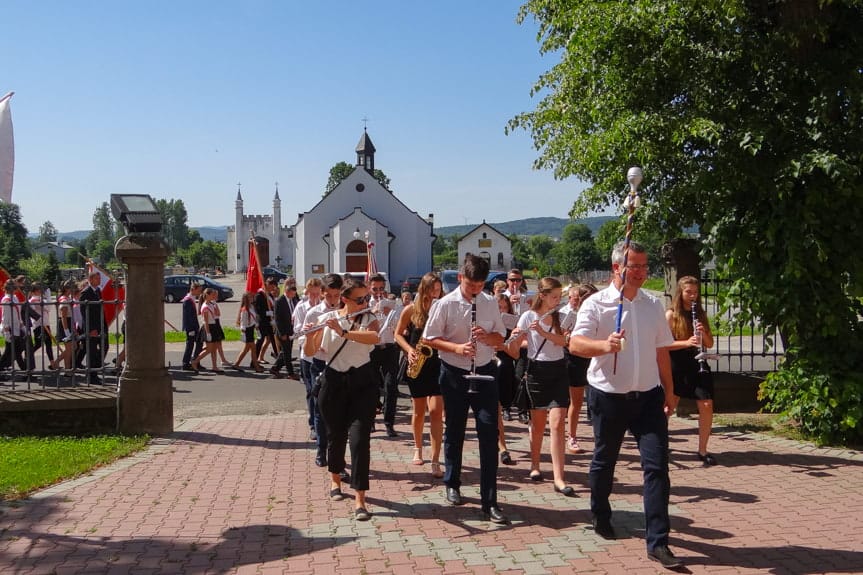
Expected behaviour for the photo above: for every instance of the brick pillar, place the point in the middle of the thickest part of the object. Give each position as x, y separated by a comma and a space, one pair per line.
145, 397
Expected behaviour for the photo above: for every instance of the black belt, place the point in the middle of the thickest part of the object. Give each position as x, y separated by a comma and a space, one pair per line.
384, 345
632, 395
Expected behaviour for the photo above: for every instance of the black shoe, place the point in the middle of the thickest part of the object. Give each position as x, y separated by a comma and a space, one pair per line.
505, 458
344, 475
361, 514
188, 367
664, 556
707, 459
507, 416
524, 417
566, 491
495, 515
603, 528
391, 431
453, 496
321, 460
312, 435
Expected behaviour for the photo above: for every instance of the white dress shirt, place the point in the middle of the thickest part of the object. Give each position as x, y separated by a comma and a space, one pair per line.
449, 319
646, 330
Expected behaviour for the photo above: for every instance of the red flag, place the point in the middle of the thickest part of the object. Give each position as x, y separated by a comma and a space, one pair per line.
254, 274
4, 277
110, 293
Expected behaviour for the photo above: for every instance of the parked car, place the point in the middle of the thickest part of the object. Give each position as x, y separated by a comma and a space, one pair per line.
449, 280
177, 286
411, 284
271, 272
493, 277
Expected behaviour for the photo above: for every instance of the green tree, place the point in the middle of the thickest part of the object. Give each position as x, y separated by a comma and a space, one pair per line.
614, 231
14, 246
445, 252
575, 252
746, 118
47, 232
520, 252
342, 170
207, 254
38, 268
175, 229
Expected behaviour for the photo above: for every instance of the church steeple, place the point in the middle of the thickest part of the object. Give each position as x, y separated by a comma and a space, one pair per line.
366, 152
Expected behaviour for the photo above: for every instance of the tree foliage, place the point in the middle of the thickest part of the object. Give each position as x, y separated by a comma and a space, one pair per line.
745, 116
14, 246
175, 229
342, 170
47, 233
576, 251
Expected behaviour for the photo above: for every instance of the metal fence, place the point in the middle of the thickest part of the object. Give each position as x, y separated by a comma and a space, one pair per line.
43, 359
745, 349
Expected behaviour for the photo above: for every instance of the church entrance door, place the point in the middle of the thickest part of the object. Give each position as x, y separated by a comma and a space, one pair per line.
356, 257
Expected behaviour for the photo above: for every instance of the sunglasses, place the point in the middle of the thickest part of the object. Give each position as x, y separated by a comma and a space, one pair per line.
360, 300
516, 280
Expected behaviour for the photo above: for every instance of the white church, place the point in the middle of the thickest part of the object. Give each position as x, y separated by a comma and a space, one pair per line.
333, 235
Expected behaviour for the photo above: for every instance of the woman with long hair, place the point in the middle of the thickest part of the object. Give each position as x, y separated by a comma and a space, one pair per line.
349, 395
576, 366
689, 337
547, 380
65, 326
211, 330
247, 319
425, 388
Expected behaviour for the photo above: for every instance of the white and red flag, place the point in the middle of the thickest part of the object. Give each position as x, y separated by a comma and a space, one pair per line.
113, 295
7, 149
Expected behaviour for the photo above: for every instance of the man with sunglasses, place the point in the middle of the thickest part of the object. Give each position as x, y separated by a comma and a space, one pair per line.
631, 389
331, 285
385, 356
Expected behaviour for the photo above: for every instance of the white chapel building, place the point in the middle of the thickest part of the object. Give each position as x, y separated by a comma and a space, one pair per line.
332, 236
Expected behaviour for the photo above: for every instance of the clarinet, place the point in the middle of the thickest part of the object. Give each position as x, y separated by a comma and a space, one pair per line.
700, 357
473, 377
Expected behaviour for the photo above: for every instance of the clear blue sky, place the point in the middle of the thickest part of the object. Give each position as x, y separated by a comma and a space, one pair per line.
185, 99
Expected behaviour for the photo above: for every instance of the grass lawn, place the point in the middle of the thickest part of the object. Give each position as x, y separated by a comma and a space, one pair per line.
31, 463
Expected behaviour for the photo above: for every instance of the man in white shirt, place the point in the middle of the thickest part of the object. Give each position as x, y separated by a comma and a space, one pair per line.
311, 298
631, 389
465, 346
385, 356
331, 289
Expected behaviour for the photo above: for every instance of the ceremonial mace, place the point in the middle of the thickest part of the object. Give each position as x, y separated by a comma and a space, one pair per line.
634, 176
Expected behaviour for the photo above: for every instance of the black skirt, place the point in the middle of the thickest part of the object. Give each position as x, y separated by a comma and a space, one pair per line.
690, 381
548, 384
576, 367
216, 333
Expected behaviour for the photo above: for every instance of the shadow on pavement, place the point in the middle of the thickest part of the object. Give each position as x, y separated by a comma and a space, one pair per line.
237, 546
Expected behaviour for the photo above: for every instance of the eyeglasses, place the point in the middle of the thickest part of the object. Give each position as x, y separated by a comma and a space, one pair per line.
360, 300
638, 267
516, 280
376, 289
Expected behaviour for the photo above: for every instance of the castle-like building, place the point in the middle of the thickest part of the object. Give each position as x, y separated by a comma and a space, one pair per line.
334, 234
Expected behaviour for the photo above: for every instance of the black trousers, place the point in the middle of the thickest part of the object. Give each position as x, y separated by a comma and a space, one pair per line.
385, 360
641, 413
285, 358
15, 348
348, 402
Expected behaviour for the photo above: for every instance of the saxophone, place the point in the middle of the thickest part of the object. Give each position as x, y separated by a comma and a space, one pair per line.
423, 353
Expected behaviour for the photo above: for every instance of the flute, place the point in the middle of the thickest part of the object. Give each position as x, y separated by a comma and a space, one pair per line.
321, 326
555, 309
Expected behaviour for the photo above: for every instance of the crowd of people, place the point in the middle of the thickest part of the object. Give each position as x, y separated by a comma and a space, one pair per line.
503, 356
79, 336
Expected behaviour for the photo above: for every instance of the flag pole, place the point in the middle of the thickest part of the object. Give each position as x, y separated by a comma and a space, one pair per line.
264, 285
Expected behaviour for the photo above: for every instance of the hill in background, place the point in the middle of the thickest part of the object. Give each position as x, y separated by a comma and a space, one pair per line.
528, 227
